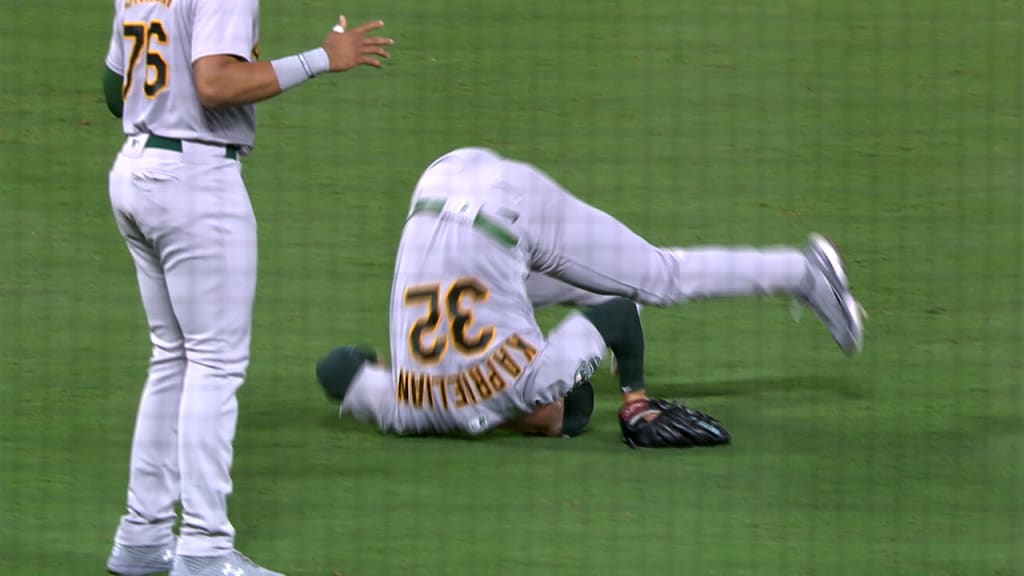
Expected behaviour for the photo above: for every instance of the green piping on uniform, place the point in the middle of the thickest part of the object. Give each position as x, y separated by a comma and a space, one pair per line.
482, 222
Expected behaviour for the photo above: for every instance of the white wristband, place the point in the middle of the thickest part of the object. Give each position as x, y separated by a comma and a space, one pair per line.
294, 70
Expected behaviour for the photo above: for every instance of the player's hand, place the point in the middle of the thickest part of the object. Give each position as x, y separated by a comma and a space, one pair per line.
655, 423
348, 49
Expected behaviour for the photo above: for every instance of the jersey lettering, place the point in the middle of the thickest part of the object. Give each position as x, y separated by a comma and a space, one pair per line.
477, 383
164, 3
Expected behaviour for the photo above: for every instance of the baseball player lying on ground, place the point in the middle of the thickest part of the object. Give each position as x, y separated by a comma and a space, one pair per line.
467, 355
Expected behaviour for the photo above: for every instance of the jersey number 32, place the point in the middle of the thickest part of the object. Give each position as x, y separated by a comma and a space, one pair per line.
143, 35
428, 344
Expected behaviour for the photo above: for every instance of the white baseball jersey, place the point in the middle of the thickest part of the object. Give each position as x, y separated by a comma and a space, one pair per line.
462, 327
466, 351
153, 45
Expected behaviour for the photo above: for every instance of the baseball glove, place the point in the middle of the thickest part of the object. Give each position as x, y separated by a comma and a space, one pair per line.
674, 426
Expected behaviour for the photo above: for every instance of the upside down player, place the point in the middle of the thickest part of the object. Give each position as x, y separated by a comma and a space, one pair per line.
467, 354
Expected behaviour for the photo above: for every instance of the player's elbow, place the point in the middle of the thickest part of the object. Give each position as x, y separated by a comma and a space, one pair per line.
210, 77
211, 94
544, 421
552, 430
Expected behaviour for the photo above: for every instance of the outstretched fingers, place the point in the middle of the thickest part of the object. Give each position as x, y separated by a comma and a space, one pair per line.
378, 51
373, 46
377, 41
347, 49
368, 27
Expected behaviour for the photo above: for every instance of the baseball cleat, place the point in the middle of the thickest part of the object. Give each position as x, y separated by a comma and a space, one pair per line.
232, 564
827, 292
141, 560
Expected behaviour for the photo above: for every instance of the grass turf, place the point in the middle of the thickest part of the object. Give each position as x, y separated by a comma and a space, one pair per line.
893, 127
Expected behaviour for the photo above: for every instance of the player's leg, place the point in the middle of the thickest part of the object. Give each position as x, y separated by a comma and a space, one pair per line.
144, 539
210, 263
588, 248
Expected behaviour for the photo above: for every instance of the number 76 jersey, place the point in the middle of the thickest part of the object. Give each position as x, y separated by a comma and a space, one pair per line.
463, 333
153, 44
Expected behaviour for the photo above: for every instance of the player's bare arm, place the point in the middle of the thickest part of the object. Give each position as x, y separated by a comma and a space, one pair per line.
226, 80
544, 421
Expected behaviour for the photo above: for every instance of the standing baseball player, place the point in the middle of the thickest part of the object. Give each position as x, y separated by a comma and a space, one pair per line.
467, 355
183, 75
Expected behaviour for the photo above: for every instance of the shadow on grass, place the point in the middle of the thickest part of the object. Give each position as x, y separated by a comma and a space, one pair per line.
603, 433
843, 387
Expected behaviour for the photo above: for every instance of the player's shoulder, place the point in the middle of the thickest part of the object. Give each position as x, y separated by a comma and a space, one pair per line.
199, 7
225, 5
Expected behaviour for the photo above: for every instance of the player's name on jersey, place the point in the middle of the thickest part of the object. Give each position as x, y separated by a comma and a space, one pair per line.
165, 3
477, 383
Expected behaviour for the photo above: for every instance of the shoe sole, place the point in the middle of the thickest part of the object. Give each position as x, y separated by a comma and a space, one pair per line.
831, 264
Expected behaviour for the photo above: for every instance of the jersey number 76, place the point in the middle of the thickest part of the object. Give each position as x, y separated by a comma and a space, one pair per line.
142, 35
428, 346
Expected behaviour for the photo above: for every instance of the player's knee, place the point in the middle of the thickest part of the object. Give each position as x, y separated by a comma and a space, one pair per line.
167, 350
219, 359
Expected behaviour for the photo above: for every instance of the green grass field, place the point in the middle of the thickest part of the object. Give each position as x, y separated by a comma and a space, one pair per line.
894, 127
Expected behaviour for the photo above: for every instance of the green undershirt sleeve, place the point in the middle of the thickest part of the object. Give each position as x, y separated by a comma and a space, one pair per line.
618, 321
112, 82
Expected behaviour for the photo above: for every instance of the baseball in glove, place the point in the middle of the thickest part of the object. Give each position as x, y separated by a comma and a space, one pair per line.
672, 425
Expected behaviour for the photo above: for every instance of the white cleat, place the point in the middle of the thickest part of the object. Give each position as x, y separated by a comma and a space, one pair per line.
232, 564
141, 560
827, 292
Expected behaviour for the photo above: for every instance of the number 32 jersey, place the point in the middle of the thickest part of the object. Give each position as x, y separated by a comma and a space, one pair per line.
153, 45
463, 334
